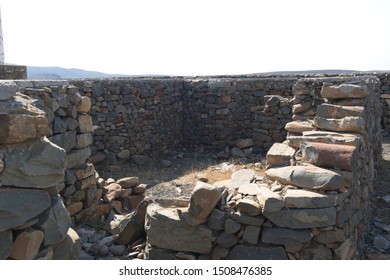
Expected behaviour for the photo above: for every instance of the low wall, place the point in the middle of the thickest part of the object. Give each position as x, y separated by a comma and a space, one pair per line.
13, 72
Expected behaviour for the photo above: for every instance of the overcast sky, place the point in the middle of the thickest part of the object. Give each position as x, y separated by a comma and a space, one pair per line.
199, 37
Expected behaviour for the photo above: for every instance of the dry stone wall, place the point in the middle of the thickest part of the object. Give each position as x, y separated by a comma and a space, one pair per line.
34, 222
71, 128
313, 202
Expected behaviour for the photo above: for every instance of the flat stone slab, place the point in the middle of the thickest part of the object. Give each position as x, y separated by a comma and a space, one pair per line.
269, 200
245, 252
303, 218
347, 124
307, 177
295, 198
338, 112
285, 236
344, 91
324, 137
299, 126
242, 176
280, 154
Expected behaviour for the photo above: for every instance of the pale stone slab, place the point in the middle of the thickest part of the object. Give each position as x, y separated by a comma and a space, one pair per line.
299, 126
269, 200
285, 236
347, 124
280, 154
331, 111
26, 244
245, 252
344, 91
242, 176
296, 198
203, 200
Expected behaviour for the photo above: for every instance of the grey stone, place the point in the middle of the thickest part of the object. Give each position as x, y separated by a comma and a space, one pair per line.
251, 234
140, 159
347, 124
307, 176
280, 154
84, 140
6, 241
55, 222
66, 140
85, 124
69, 248
237, 152
18, 206
303, 218
227, 240
344, 91
328, 137
249, 206
219, 253
40, 165
381, 243
338, 112
7, 90
216, 220
242, 176
247, 220
245, 252
78, 158
244, 143
71, 124
269, 200
59, 125
133, 224
117, 250
330, 236
128, 182
296, 198
248, 188
232, 226
315, 252
285, 236
165, 229
203, 200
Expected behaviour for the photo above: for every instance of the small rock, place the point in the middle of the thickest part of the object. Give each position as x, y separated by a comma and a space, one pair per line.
112, 191
117, 250
232, 226
251, 234
381, 243
128, 182
204, 198
249, 206
124, 154
386, 198
237, 153
140, 189
227, 240
166, 163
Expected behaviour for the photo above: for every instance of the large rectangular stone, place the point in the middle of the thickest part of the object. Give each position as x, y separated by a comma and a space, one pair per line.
296, 198
303, 218
66, 140
338, 112
344, 91
165, 229
77, 158
280, 154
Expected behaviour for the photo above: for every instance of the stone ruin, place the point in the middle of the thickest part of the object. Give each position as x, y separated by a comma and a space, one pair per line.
313, 203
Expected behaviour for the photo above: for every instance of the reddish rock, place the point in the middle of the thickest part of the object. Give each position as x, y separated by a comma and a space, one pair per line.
112, 191
26, 244
299, 126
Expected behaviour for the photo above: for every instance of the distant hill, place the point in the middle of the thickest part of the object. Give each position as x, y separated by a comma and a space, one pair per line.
54, 73
325, 71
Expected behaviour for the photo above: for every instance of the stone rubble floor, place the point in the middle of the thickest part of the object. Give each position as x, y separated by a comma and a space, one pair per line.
175, 176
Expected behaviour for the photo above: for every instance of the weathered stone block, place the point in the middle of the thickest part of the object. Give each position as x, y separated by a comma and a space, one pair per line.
6, 241
40, 165
280, 154
347, 124
69, 248
242, 176
128, 182
330, 111
203, 200
299, 126
26, 244
84, 140
78, 158
249, 206
285, 236
251, 234
308, 177
85, 124
344, 91
303, 218
309, 199
84, 105
269, 200
165, 229
245, 252
66, 140
17, 206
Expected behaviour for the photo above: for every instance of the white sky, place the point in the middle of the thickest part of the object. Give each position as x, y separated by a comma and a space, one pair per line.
197, 37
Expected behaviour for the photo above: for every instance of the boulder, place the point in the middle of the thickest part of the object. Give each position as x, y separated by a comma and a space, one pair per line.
269, 200
203, 200
299, 126
128, 182
330, 236
280, 154
26, 244
347, 124
55, 221
39, 165
17, 206
330, 111
245, 252
303, 218
307, 177
344, 91
328, 155
165, 229
295, 198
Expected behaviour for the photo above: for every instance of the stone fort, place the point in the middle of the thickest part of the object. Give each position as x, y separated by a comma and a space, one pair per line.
321, 136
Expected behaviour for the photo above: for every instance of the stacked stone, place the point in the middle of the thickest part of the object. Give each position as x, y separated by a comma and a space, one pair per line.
134, 117
71, 129
268, 123
385, 99
313, 203
327, 186
220, 111
34, 222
